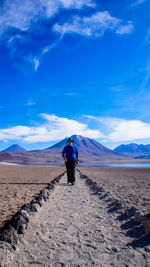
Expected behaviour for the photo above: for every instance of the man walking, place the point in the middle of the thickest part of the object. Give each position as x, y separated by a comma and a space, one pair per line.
70, 155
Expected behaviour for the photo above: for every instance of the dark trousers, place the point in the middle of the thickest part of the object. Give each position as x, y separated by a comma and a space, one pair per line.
70, 166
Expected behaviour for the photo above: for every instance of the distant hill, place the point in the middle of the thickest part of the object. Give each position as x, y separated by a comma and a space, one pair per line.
88, 148
14, 148
133, 150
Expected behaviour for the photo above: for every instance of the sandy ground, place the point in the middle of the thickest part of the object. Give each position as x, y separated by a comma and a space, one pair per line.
130, 184
74, 228
19, 183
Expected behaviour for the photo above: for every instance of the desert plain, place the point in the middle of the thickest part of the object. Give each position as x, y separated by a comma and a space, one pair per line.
129, 184
18, 184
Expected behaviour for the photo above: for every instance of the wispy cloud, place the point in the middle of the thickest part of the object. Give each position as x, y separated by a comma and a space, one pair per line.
64, 94
146, 75
94, 25
138, 2
30, 103
23, 16
35, 60
147, 39
55, 128
71, 94
118, 88
21, 24
125, 29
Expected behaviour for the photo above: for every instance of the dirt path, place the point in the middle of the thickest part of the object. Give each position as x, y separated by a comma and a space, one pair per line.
75, 229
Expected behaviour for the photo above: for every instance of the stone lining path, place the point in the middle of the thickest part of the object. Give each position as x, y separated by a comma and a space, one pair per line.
74, 229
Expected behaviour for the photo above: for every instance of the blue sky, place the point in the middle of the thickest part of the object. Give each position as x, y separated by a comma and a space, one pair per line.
74, 67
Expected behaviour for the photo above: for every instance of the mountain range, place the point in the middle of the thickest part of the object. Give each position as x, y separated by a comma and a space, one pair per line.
134, 150
89, 151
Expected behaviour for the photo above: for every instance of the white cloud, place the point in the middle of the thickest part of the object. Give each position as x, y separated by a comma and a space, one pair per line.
127, 130
109, 130
55, 128
14, 133
95, 25
119, 130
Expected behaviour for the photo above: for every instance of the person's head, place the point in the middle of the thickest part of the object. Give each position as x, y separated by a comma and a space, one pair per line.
70, 141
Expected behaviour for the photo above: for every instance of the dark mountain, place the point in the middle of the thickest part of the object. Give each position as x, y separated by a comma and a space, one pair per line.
14, 148
88, 148
133, 150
